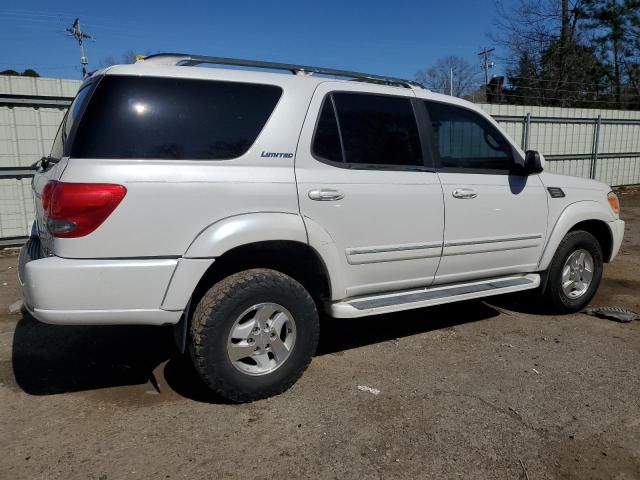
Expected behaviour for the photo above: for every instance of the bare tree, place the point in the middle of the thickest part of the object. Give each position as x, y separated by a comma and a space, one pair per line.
571, 52
438, 77
548, 60
532, 25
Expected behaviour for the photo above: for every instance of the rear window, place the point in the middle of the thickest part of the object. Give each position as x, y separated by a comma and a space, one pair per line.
168, 118
368, 129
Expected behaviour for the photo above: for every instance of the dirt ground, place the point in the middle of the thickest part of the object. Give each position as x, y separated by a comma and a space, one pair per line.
472, 390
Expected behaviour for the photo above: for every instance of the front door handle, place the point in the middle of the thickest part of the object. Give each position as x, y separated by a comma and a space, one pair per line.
464, 193
325, 195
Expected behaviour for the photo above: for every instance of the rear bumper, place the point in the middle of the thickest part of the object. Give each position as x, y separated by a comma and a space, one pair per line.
617, 233
93, 292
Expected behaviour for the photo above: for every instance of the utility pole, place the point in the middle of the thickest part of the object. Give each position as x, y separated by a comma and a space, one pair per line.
486, 64
76, 32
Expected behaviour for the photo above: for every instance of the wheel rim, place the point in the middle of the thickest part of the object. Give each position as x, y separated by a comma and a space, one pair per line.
261, 339
577, 273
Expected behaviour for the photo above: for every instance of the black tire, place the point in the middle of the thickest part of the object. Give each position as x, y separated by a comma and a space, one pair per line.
557, 300
216, 314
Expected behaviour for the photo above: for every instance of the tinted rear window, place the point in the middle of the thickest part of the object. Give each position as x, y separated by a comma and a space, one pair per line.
378, 129
167, 118
326, 143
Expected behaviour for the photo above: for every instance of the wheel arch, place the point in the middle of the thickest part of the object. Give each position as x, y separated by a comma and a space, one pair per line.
293, 258
263, 239
237, 230
589, 216
601, 231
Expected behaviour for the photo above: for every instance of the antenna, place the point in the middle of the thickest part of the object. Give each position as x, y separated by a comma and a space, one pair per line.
76, 32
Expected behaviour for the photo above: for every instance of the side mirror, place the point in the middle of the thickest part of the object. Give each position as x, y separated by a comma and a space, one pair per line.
533, 162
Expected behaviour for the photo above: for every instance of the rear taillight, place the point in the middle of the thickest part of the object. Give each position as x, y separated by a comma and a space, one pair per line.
76, 209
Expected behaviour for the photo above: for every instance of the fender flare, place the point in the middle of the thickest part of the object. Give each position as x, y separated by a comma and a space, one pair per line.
238, 230
226, 234
572, 215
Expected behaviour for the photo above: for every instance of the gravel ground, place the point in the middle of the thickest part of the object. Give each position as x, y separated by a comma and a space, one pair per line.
472, 390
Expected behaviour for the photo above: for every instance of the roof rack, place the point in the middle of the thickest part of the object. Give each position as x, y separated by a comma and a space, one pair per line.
180, 59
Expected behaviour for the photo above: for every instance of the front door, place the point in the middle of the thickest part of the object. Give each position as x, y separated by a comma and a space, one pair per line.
495, 219
366, 196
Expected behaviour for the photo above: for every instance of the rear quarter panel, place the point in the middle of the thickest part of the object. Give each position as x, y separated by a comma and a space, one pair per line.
169, 202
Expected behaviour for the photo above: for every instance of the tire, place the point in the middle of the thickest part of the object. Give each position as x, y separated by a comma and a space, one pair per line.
224, 325
574, 243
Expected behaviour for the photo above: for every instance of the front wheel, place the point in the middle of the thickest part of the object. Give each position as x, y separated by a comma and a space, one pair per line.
574, 273
253, 334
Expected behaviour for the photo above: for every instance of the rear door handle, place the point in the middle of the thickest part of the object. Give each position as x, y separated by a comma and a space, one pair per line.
325, 195
464, 193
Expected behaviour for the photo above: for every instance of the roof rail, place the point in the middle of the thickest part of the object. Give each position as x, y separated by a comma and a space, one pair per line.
181, 59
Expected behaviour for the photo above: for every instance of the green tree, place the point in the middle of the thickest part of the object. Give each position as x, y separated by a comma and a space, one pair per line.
29, 72
524, 82
572, 52
609, 22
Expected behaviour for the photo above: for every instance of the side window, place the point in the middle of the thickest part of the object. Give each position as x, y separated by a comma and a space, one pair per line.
57, 150
172, 118
467, 140
326, 142
369, 130
74, 111
59, 143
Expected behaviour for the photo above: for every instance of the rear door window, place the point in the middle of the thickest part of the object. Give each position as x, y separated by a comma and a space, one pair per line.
169, 118
367, 129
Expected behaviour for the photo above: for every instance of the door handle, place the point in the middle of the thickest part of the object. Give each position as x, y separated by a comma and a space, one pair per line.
464, 193
325, 195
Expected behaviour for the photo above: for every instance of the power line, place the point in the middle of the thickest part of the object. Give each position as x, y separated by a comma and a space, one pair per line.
550, 80
540, 89
544, 98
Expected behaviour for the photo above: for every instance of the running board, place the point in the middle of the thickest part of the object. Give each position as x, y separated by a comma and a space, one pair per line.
426, 297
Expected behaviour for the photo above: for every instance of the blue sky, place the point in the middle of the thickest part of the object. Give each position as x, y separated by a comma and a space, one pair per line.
384, 37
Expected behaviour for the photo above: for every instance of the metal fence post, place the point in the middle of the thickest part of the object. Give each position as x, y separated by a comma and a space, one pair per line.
525, 131
594, 150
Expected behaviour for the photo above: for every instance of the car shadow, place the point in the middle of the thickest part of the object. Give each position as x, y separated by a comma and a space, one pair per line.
55, 359
527, 302
339, 334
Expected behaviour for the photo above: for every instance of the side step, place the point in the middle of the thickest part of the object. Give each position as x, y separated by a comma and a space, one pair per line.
426, 297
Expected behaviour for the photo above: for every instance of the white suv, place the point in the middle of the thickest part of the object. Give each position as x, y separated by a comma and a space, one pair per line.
235, 203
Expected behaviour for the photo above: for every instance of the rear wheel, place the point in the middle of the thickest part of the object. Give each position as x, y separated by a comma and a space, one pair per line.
574, 273
253, 334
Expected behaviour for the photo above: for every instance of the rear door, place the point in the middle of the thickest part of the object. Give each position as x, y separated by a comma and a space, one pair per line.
496, 218
51, 167
368, 196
